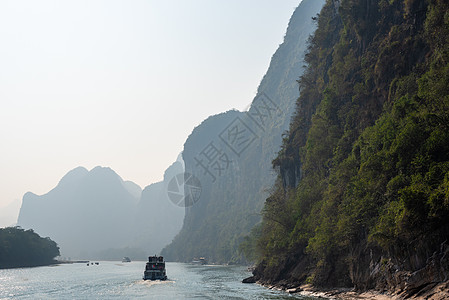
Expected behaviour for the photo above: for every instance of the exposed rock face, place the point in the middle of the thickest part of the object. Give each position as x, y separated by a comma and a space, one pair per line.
372, 271
393, 277
249, 280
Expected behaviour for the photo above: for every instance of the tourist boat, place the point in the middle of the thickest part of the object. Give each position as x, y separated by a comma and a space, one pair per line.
155, 269
126, 259
200, 261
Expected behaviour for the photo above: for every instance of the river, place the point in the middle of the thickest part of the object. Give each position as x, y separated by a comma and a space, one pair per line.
116, 280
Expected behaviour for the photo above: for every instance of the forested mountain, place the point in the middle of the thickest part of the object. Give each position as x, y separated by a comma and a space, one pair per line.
20, 248
95, 214
369, 151
230, 154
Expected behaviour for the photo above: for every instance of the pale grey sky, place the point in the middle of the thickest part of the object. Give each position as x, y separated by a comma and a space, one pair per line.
122, 83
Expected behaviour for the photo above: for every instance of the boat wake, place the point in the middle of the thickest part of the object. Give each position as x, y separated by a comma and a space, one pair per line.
154, 282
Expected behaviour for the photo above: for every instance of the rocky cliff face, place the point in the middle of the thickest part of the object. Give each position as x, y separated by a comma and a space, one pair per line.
231, 154
415, 275
370, 270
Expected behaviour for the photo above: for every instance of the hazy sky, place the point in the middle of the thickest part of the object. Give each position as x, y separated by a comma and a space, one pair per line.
122, 83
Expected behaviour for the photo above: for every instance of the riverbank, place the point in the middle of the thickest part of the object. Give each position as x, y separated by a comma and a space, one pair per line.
436, 292
72, 261
27, 265
44, 264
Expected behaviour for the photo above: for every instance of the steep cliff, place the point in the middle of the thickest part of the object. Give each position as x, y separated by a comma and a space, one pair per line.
230, 154
369, 152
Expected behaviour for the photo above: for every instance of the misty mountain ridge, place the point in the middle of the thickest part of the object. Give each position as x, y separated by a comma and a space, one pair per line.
93, 214
9, 213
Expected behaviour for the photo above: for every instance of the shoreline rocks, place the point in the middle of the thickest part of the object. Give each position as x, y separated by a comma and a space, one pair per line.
434, 292
250, 279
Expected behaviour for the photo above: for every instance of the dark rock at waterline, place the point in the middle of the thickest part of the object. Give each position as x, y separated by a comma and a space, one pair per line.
249, 280
294, 290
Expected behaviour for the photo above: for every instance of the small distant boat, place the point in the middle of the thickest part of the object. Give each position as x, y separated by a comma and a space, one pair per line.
199, 261
155, 269
126, 259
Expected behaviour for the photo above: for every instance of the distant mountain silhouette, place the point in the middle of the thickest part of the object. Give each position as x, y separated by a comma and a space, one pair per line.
9, 213
95, 213
133, 188
157, 219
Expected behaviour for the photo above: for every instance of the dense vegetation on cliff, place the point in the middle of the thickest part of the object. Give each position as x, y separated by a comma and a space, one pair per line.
364, 167
25, 248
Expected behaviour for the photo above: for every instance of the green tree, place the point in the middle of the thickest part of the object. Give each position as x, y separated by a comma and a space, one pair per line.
25, 248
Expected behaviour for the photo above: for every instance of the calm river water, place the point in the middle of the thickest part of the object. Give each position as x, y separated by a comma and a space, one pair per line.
115, 280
